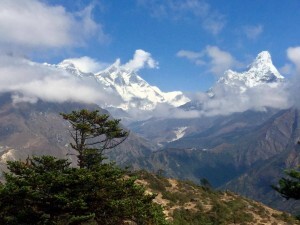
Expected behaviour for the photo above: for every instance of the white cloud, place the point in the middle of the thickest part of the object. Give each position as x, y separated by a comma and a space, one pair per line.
192, 56
220, 60
215, 59
286, 69
214, 23
141, 59
227, 101
35, 24
253, 32
89, 27
189, 54
293, 54
87, 64
210, 19
29, 81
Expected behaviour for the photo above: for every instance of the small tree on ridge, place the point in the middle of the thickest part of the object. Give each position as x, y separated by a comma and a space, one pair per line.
93, 133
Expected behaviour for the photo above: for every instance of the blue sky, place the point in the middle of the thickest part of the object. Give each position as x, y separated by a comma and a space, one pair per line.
193, 41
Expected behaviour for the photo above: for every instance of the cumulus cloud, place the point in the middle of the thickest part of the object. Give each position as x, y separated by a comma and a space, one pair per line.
141, 59
29, 81
89, 27
210, 19
86, 64
35, 24
292, 67
293, 54
215, 59
253, 32
220, 60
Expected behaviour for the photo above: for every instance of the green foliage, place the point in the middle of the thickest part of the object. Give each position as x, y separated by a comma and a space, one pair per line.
93, 133
185, 217
43, 190
232, 212
46, 190
290, 187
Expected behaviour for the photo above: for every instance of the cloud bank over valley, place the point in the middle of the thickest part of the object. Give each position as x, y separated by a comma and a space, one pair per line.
29, 81
32, 27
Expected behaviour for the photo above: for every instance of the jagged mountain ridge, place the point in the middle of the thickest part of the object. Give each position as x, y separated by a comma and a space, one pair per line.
134, 91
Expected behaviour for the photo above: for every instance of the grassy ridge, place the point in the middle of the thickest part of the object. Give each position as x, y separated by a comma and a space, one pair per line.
185, 203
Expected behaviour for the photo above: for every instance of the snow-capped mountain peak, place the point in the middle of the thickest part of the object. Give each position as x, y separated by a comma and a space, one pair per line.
134, 90
261, 71
263, 65
262, 58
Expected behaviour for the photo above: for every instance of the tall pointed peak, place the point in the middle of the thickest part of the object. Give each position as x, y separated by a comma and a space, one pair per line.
261, 71
263, 58
265, 55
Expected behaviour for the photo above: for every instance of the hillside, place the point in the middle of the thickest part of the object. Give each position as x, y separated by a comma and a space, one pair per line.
38, 129
244, 153
185, 203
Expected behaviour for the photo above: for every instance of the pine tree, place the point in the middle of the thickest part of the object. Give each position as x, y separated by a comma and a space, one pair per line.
44, 190
93, 133
290, 187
